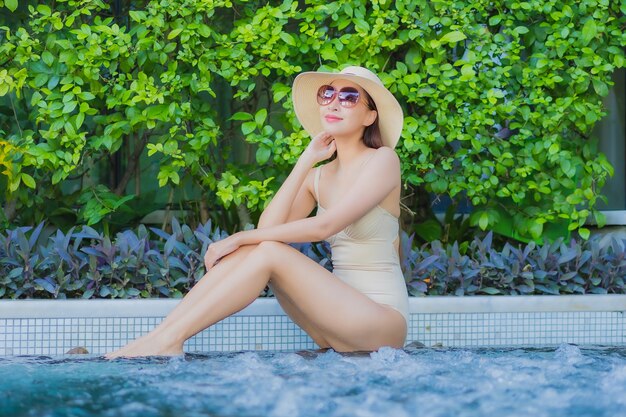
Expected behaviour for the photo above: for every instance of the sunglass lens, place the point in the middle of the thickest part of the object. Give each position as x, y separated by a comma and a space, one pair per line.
325, 94
349, 97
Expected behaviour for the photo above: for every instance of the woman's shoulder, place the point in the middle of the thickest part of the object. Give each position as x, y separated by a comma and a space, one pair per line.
384, 156
386, 150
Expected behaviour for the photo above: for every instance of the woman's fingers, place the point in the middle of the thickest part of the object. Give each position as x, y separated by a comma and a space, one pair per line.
217, 250
326, 139
322, 137
208, 263
321, 147
210, 257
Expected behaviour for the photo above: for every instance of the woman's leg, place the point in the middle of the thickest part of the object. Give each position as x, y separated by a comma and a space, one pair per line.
298, 317
158, 338
347, 319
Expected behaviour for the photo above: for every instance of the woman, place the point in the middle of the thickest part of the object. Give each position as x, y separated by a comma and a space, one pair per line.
362, 305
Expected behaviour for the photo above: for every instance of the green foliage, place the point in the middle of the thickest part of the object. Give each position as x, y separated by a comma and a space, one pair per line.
500, 97
97, 202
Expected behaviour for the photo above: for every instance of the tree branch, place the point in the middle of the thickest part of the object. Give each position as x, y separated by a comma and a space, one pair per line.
132, 164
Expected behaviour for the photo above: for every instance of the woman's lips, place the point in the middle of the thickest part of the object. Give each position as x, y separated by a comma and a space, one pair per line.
331, 119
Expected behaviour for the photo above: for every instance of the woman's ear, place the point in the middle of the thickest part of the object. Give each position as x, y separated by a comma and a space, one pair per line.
370, 118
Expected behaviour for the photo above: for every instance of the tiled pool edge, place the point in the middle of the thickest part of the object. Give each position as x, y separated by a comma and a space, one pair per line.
54, 326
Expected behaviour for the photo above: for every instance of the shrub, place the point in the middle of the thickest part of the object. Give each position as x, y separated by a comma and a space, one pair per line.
500, 99
82, 263
577, 267
85, 263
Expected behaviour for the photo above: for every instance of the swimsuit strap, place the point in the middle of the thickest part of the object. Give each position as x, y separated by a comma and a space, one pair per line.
316, 182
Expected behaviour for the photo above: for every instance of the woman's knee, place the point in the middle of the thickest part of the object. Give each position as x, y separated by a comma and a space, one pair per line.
271, 245
269, 249
240, 253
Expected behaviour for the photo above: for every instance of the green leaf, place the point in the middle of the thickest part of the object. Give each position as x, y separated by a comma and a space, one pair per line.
589, 31
86, 95
440, 185
521, 30
44, 10
248, 127
263, 155
289, 40
494, 20
47, 58
535, 229
28, 180
260, 117
137, 16
600, 218
429, 230
159, 112
204, 30
452, 37
600, 87
80, 118
483, 222
57, 176
11, 4
242, 116
584, 233
174, 33
554, 148
69, 106
69, 128
40, 80
170, 147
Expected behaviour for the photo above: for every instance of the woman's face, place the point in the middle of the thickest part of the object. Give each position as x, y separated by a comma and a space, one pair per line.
339, 120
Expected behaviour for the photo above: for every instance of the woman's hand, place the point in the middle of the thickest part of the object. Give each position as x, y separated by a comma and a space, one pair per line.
217, 250
321, 147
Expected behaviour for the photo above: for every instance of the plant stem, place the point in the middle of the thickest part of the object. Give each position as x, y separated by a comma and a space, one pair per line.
17, 121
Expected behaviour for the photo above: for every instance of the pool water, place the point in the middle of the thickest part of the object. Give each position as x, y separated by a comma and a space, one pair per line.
564, 381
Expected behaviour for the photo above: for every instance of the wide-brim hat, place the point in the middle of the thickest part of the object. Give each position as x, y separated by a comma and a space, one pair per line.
304, 92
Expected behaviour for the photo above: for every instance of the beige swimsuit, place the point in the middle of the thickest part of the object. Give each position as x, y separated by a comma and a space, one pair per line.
364, 256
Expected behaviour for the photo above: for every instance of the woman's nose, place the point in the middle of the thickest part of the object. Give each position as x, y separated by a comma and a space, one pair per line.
334, 104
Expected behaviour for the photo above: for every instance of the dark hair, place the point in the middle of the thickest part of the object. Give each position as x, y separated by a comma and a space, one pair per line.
373, 139
371, 135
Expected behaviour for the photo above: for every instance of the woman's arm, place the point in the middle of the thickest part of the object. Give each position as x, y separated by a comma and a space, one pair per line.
294, 190
294, 193
380, 176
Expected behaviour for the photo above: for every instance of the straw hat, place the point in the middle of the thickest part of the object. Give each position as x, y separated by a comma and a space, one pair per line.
304, 91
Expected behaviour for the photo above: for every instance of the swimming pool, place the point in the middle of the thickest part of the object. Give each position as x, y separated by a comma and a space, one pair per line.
563, 381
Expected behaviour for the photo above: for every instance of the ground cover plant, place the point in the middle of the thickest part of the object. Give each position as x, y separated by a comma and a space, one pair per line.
83, 263
500, 100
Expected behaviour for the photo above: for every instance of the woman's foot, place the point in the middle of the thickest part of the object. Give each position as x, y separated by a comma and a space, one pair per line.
148, 345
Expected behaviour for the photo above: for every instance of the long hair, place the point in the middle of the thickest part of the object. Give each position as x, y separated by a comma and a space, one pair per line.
373, 139
371, 135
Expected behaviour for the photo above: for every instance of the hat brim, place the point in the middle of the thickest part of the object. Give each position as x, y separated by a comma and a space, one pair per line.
304, 91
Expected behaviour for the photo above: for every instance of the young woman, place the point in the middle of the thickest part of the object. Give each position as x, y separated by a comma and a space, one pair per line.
362, 305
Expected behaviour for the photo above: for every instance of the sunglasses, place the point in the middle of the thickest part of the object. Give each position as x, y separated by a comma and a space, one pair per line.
348, 96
